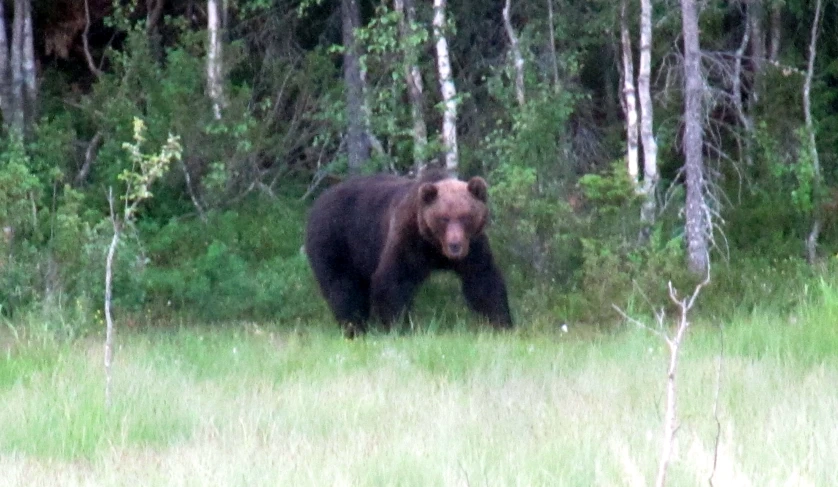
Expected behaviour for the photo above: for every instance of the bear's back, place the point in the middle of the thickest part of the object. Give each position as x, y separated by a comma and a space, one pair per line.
348, 224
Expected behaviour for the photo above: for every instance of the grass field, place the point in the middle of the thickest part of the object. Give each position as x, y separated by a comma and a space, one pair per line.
253, 405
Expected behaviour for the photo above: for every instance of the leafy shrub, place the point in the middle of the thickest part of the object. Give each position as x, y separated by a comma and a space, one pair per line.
233, 266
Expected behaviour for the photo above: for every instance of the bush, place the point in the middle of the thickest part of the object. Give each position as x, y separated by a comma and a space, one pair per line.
233, 266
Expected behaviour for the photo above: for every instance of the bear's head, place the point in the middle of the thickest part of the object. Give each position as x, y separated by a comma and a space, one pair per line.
451, 212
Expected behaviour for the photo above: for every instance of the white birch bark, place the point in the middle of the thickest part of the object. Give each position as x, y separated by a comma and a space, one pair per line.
449, 91
629, 100
517, 58
647, 135
413, 79
214, 59
814, 233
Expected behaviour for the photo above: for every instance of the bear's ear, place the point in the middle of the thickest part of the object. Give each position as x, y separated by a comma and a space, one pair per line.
478, 188
428, 193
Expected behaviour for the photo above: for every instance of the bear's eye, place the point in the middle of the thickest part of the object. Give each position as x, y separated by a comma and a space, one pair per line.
443, 220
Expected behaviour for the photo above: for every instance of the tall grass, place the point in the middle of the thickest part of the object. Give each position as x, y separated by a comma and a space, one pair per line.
264, 405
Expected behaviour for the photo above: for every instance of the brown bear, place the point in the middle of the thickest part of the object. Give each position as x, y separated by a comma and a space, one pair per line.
372, 240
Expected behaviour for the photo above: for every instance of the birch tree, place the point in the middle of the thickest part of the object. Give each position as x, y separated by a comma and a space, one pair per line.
413, 79
815, 230
517, 57
647, 135
449, 91
697, 214
357, 139
145, 170
629, 99
215, 88
646, 113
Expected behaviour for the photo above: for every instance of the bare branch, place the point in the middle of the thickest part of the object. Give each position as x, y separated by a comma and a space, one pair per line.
89, 157
86, 45
109, 330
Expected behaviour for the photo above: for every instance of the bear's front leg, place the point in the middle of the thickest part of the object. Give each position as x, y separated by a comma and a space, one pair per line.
483, 285
391, 297
393, 286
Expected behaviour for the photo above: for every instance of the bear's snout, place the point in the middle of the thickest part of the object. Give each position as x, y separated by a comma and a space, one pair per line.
455, 244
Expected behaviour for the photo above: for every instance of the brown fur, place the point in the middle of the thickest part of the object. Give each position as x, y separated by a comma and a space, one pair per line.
372, 240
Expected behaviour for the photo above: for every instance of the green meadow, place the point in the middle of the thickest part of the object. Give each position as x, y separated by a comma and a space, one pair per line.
249, 404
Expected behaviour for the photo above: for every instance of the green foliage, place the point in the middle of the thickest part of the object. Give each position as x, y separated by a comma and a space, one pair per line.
384, 54
19, 188
798, 176
169, 95
145, 168
232, 266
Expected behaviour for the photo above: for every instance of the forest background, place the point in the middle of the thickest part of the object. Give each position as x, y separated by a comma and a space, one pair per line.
274, 101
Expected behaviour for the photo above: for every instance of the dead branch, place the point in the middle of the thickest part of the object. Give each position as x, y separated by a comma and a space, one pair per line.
109, 330
86, 44
192, 193
670, 426
89, 157
674, 343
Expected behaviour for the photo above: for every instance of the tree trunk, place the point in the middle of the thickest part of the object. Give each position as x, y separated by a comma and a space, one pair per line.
756, 23
16, 115
357, 141
18, 82
697, 214
647, 135
517, 57
629, 100
449, 91
30, 87
215, 88
413, 80
154, 12
814, 233
745, 119
554, 61
776, 31
5, 72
